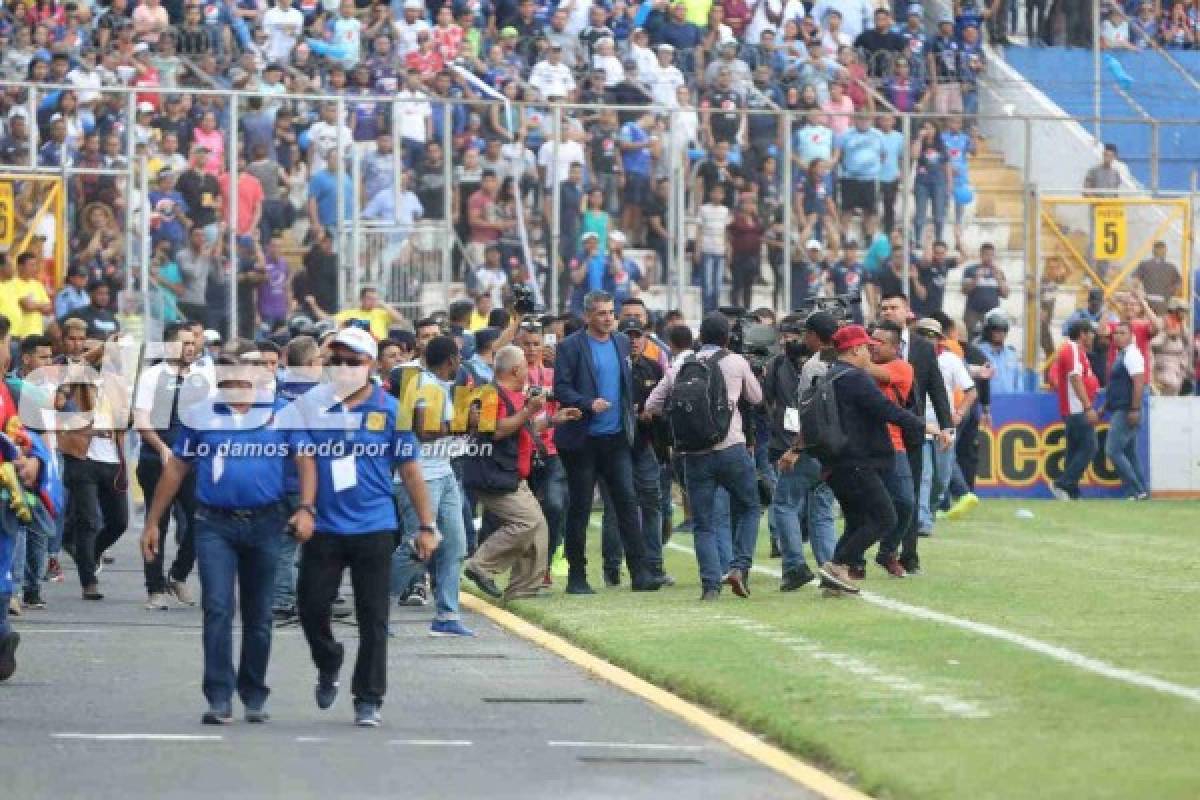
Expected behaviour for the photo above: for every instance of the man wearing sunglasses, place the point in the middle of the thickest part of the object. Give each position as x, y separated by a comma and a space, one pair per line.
353, 429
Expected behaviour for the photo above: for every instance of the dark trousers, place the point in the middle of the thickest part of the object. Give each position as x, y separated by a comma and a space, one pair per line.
646, 486
900, 486
550, 488
241, 553
966, 447
908, 544
1081, 448
323, 559
97, 512
149, 472
745, 270
866, 508
889, 189
609, 458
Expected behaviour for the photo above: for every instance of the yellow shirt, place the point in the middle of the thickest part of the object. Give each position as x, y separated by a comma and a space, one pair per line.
478, 322
378, 318
9, 290
697, 11
27, 323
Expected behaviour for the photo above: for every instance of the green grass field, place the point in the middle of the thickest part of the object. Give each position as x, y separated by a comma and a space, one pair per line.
910, 707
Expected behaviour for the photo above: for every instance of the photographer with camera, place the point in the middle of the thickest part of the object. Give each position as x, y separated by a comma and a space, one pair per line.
699, 397
802, 502
500, 481
646, 375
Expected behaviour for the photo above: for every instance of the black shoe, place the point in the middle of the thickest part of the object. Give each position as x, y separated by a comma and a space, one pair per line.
736, 578
663, 578
326, 691
34, 602
775, 551
257, 716
484, 582
578, 585
217, 716
710, 595
8, 654
667, 530
793, 579
647, 583
612, 576
283, 614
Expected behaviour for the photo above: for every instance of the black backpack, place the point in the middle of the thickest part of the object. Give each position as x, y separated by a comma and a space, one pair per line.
820, 425
698, 409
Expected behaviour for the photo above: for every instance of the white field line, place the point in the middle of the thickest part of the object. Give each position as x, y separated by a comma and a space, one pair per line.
432, 742
1056, 652
628, 746
24, 630
856, 666
139, 737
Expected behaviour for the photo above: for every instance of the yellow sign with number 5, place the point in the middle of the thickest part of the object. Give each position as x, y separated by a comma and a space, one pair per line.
1110, 231
8, 216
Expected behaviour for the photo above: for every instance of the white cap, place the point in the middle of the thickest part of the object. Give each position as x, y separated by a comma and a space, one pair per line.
617, 236
212, 337
814, 244
590, 235
357, 340
141, 47
145, 106
667, 47
414, 4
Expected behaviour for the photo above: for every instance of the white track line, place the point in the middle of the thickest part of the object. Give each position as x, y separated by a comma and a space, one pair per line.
25, 629
432, 742
628, 746
1056, 652
139, 737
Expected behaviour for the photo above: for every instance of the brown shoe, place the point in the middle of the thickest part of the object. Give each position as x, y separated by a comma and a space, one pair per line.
837, 576
92, 592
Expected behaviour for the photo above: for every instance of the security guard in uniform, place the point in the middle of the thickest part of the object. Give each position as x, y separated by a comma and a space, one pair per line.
352, 423
237, 450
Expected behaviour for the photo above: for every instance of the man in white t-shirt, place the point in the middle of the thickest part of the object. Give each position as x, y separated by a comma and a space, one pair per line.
665, 78
857, 15
323, 135
570, 151
283, 25
714, 245
552, 78
961, 391
408, 26
413, 117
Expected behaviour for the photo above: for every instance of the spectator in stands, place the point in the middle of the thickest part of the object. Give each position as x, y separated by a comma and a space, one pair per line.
1103, 179
1174, 367
945, 69
1007, 372
713, 246
929, 281
1179, 29
933, 179
1114, 31
862, 159
984, 285
1158, 279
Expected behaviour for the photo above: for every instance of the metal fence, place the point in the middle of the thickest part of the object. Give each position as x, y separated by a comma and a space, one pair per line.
421, 265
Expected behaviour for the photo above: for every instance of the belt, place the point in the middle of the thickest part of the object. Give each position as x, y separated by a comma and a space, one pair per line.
240, 513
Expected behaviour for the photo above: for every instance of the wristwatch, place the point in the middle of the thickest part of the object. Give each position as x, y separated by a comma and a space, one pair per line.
310, 508
426, 529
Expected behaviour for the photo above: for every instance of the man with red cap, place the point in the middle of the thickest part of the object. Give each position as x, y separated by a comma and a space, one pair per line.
857, 471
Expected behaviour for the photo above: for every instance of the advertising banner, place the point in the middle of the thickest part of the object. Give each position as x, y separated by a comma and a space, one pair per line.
1025, 451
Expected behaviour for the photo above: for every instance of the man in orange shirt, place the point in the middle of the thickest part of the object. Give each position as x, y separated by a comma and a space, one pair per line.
895, 378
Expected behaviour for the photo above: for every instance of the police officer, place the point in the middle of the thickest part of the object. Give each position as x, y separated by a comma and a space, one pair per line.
237, 452
353, 432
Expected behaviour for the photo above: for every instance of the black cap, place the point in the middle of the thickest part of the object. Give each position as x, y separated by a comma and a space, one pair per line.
96, 283
822, 324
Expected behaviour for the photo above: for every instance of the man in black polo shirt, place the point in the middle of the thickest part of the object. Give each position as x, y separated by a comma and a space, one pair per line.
723, 112
101, 323
201, 193
881, 44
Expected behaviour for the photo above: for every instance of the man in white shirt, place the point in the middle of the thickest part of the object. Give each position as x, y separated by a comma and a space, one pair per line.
960, 390
323, 135
408, 26
640, 52
413, 117
551, 77
664, 79
490, 278
857, 15
283, 25
570, 151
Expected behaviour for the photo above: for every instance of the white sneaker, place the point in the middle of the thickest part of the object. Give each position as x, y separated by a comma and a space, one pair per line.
1060, 494
180, 590
157, 601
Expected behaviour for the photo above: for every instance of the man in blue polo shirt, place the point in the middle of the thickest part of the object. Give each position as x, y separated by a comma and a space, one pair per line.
352, 429
862, 162
238, 455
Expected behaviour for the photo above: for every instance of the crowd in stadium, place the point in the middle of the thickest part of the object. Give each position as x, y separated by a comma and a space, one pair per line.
590, 396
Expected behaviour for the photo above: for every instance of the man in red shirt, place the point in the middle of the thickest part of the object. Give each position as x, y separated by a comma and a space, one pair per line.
520, 538
549, 485
1071, 374
894, 376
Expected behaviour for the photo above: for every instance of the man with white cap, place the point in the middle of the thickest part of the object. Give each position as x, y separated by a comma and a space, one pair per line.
552, 78
356, 437
283, 25
665, 78
408, 26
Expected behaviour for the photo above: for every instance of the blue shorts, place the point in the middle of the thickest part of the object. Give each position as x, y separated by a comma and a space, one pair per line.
637, 188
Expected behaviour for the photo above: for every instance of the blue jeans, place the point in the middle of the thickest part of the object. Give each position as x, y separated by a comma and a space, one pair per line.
649, 500
1081, 446
446, 563
285, 569
712, 269
243, 552
1121, 449
802, 502
929, 194
722, 525
732, 469
899, 484
31, 543
551, 491
935, 479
